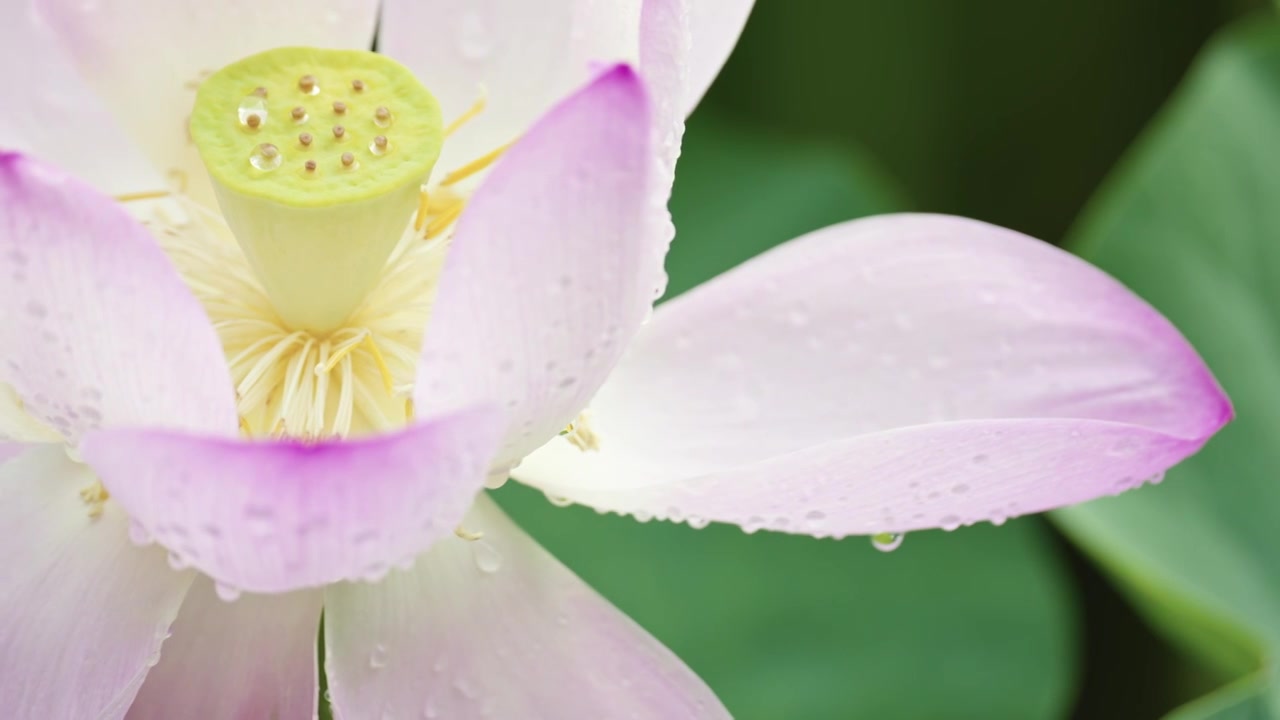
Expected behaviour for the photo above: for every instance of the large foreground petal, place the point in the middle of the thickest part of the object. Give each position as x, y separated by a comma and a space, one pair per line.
53, 114
96, 326
498, 628
244, 660
146, 58
889, 374
276, 516
553, 267
82, 611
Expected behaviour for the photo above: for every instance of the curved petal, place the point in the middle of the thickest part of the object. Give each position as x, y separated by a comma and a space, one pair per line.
714, 27
664, 54
50, 111
522, 57
96, 327
277, 516
888, 374
251, 658
498, 628
82, 611
553, 267
146, 58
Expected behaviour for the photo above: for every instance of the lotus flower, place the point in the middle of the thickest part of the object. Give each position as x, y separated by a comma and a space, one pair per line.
278, 385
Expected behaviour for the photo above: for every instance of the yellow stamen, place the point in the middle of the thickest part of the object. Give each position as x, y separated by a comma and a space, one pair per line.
466, 534
149, 195
408, 410
387, 380
96, 497
466, 117
424, 203
337, 356
244, 426
445, 218
475, 166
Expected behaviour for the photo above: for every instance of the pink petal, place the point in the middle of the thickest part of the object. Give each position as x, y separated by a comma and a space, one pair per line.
664, 54
250, 659
96, 327
10, 450
714, 27
553, 267
888, 374
53, 114
146, 58
82, 611
498, 628
277, 516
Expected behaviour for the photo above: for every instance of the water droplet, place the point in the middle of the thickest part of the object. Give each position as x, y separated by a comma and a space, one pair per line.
949, 523
138, 534
558, 501
697, 522
496, 480
226, 593
253, 111
960, 489
379, 146
177, 562
378, 658
429, 711
887, 541
266, 157
980, 459
488, 559
474, 39
753, 524
36, 310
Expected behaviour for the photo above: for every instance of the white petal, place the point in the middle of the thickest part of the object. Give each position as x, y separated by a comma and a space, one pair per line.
498, 628
82, 610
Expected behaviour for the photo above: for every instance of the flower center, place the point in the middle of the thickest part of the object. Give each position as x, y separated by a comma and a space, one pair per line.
320, 274
317, 158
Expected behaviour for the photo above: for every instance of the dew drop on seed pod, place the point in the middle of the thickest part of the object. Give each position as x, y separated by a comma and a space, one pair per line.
266, 157
488, 560
888, 541
226, 593
253, 111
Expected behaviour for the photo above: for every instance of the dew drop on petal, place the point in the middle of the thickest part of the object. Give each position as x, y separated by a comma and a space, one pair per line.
226, 593
378, 658
138, 534
887, 541
558, 501
488, 559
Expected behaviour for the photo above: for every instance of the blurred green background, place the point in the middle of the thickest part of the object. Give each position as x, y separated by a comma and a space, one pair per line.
1013, 112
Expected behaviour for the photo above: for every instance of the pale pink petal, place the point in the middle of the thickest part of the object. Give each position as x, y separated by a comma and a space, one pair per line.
82, 611
10, 450
553, 267
96, 326
50, 112
276, 516
714, 27
498, 628
522, 57
146, 58
664, 54
888, 374
251, 659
